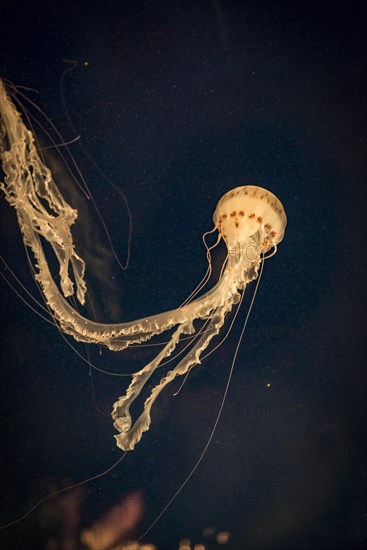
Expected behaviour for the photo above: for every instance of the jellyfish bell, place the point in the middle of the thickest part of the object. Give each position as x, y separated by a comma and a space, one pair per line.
247, 211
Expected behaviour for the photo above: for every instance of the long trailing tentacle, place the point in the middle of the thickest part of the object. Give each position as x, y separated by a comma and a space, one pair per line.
130, 434
121, 409
43, 212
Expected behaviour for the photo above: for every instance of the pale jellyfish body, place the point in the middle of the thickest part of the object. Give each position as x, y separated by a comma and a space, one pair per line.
251, 221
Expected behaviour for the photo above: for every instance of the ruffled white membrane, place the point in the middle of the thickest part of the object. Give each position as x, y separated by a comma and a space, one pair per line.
250, 219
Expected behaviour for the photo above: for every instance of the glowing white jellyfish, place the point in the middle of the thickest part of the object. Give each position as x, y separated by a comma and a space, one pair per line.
250, 220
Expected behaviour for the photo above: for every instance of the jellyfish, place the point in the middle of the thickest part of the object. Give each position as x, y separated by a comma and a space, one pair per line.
250, 220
